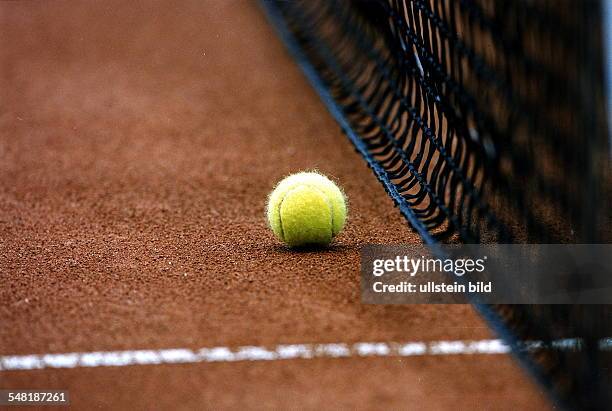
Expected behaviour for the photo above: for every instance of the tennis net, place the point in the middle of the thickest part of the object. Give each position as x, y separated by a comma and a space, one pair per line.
485, 121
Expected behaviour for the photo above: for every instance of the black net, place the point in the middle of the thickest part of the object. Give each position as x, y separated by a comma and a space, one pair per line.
485, 121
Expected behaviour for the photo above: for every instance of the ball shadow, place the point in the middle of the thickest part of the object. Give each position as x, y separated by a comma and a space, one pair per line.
311, 249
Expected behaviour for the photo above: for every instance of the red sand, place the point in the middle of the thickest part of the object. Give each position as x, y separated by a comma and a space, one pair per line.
138, 142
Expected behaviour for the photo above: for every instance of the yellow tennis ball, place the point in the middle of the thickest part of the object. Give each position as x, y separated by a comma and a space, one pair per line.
306, 208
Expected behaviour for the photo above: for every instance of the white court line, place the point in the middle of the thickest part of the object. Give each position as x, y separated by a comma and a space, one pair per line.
279, 352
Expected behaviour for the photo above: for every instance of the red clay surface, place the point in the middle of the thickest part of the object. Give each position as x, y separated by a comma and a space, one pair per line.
138, 142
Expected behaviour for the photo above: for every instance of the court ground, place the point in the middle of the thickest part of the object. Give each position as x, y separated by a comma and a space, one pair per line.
138, 142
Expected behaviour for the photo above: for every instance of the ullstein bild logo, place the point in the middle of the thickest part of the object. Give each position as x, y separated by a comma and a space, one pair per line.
492, 274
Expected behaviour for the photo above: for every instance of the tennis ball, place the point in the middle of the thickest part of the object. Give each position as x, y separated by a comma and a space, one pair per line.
306, 208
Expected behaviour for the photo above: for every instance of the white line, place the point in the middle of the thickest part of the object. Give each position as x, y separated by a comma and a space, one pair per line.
279, 352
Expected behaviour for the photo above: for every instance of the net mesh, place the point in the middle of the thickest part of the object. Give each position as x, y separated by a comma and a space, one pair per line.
485, 121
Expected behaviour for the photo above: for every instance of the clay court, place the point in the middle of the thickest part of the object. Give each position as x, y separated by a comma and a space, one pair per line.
138, 143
